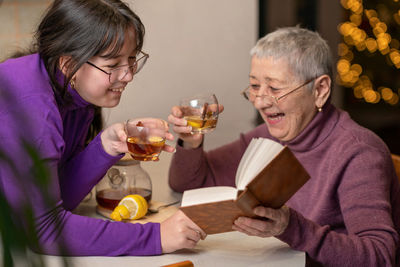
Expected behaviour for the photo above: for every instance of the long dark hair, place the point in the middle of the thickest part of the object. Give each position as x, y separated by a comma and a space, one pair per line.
81, 29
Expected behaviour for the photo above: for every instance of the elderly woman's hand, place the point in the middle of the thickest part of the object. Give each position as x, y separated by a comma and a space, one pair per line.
275, 223
181, 127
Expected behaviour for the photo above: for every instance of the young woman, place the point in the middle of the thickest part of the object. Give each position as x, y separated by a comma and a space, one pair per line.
86, 52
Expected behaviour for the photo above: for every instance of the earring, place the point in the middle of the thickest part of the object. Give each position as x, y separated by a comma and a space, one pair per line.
72, 83
319, 109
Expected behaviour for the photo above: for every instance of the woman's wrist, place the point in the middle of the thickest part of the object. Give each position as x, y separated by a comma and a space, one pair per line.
188, 145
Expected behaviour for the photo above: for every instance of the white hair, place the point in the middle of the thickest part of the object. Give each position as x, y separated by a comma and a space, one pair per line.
307, 54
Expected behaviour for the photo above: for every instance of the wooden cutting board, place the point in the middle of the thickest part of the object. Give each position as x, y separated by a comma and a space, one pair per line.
158, 217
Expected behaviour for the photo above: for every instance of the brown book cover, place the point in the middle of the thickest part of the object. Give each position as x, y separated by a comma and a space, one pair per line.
271, 187
214, 217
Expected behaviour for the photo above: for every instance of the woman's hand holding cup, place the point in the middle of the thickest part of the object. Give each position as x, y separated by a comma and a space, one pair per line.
114, 137
194, 117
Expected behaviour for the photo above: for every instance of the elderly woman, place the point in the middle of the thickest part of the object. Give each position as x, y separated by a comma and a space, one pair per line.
348, 213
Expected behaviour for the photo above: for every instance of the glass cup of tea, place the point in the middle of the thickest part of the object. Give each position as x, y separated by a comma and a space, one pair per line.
201, 112
145, 139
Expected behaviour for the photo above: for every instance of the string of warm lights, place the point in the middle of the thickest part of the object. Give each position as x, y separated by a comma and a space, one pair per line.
354, 38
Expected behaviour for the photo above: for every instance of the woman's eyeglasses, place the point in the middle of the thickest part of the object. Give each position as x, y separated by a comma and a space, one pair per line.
251, 94
120, 72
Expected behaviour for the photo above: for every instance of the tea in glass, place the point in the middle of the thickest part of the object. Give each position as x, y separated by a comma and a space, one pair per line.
201, 112
145, 140
109, 198
145, 150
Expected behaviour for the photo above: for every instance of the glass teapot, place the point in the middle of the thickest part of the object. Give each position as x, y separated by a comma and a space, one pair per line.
124, 178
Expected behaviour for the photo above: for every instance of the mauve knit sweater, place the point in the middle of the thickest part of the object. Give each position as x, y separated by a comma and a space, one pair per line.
347, 214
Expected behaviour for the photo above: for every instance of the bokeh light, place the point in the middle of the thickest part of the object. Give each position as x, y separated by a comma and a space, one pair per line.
357, 39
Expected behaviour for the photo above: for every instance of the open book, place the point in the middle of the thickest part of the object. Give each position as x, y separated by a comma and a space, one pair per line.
268, 174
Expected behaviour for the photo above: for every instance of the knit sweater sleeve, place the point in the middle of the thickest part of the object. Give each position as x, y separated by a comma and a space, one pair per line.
194, 168
83, 172
363, 192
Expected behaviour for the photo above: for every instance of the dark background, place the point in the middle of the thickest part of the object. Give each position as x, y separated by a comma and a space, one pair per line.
382, 118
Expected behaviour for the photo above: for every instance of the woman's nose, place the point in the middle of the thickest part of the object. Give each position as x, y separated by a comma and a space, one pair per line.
127, 76
263, 101
263, 91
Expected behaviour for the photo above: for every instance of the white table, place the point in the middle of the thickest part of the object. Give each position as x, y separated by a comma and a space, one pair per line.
227, 249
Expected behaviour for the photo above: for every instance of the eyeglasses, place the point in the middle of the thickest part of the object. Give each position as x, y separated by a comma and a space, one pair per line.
251, 94
120, 72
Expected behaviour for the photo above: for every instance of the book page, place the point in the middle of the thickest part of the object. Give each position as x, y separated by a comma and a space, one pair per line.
207, 195
247, 156
262, 152
266, 152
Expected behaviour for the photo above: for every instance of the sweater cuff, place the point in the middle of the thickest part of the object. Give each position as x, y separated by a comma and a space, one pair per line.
188, 154
291, 229
157, 229
180, 144
99, 145
299, 231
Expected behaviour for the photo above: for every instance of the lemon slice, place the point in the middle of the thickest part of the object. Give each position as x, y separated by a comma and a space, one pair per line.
131, 207
119, 213
194, 121
156, 140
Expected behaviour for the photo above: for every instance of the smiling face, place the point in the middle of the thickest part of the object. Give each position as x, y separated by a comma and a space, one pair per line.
287, 118
94, 86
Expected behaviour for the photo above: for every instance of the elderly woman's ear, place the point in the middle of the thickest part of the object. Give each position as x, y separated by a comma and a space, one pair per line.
322, 86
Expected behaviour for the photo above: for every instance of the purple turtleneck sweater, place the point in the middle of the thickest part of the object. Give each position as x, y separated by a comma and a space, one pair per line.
347, 214
56, 130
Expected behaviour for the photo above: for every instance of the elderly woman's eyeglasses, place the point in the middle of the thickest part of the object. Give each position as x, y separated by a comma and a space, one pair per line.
251, 94
120, 72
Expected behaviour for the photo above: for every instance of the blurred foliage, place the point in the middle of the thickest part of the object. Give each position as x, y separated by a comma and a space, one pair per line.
18, 229
15, 238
